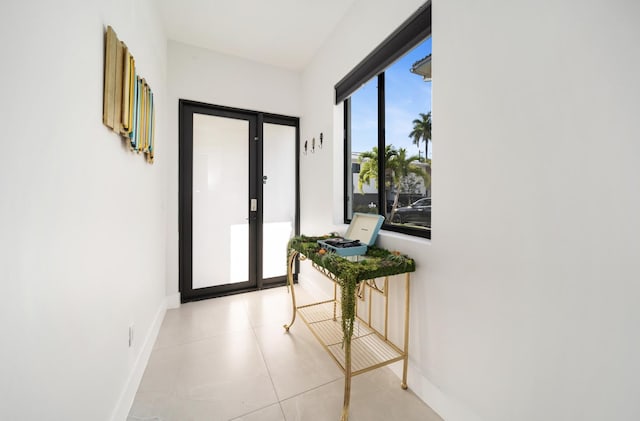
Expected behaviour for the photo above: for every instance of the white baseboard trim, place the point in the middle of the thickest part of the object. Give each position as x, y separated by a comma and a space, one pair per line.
173, 301
443, 405
121, 411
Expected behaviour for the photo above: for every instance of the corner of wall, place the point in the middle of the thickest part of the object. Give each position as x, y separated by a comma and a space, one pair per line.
125, 401
172, 301
440, 402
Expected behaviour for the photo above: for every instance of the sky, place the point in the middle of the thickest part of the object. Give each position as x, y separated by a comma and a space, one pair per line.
406, 95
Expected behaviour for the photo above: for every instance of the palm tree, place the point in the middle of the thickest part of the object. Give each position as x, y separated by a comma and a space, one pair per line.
422, 131
369, 166
401, 166
397, 167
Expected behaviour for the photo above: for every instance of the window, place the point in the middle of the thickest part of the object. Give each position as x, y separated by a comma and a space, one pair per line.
363, 189
388, 130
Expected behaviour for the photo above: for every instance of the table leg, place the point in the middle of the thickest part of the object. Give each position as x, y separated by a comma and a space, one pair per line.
406, 332
292, 259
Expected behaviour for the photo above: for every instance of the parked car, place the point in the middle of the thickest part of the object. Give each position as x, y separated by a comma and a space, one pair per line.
417, 213
390, 206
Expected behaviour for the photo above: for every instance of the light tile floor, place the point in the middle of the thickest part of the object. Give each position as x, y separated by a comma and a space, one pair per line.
230, 359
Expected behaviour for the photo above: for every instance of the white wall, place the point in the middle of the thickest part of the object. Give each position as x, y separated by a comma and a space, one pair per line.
535, 271
82, 225
206, 76
524, 305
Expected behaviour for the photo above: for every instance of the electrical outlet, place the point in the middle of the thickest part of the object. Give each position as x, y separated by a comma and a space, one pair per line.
130, 336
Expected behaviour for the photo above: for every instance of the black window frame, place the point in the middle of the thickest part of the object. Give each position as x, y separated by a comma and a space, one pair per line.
412, 32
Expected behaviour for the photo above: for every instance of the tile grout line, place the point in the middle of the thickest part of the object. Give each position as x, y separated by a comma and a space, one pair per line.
280, 401
264, 360
199, 339
312, 389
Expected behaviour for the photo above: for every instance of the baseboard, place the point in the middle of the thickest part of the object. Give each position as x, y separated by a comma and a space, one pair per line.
442, 404
121, 411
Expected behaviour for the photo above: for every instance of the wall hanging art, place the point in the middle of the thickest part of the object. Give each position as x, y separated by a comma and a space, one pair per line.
128, 107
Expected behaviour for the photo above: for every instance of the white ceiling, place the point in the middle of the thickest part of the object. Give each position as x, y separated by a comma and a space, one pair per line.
283, 33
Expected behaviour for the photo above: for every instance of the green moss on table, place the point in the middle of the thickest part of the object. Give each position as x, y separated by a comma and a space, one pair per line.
376, 263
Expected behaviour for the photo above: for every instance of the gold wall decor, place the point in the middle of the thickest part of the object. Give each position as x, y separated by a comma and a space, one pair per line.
128, 107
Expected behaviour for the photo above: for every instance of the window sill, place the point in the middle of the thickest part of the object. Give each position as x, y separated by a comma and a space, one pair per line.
404, 237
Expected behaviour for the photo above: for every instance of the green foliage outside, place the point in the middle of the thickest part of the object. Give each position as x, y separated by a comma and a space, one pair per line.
422, 131
400, 170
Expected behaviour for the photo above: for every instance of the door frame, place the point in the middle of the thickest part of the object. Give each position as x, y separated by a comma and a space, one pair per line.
185, 196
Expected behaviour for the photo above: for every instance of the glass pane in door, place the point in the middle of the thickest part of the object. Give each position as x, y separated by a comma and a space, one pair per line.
220, 196
279, 196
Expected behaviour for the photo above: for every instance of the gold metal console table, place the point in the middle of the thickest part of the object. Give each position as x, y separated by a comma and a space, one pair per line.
355, 345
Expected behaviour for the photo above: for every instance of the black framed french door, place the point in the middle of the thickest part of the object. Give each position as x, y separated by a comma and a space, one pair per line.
239, 198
